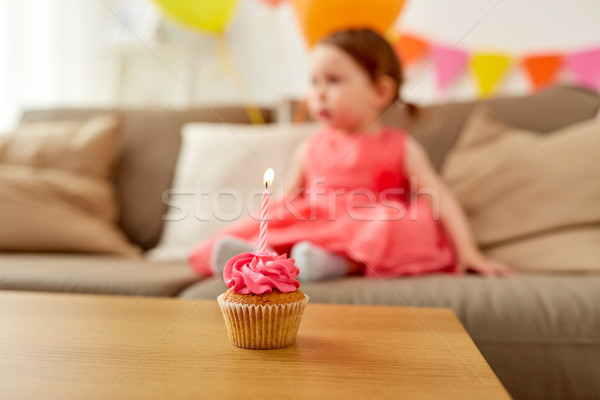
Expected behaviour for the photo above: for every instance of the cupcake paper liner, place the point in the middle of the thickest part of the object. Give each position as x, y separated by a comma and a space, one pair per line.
271, 326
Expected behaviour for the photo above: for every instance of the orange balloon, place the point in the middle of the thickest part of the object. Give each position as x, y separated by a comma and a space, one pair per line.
319, 18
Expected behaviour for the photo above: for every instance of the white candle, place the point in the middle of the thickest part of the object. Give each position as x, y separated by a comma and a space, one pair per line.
264, 210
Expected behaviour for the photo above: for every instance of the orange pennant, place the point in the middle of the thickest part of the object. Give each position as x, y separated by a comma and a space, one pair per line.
542, 69
411, 48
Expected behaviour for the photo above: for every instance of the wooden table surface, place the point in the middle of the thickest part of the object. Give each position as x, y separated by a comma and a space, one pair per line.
67, 346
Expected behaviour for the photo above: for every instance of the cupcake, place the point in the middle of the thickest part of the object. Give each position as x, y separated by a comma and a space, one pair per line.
263, 305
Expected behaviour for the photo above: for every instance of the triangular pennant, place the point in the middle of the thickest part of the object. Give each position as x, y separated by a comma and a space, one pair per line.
273, 3
542, 69
586, 67
411, 48
489, 69
449, 64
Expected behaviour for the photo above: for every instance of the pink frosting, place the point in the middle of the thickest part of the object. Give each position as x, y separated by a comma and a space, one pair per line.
261, 272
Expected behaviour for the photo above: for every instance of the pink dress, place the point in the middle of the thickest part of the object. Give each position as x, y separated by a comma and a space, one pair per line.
355, 203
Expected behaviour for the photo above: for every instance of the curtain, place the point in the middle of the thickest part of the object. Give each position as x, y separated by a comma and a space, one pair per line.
51, 54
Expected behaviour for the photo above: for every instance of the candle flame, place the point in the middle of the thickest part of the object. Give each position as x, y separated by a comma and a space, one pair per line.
269, 176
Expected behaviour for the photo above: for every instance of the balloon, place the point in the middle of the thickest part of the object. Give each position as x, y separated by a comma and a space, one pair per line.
206, 15
319, 18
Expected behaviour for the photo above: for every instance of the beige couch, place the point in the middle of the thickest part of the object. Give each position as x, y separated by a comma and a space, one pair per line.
539, 332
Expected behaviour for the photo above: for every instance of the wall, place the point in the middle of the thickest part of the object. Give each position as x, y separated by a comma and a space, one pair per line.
50, 53
512, 26
263, 45
267, 48
72, 52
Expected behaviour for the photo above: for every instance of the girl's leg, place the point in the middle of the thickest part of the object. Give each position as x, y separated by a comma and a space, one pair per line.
201, 257
224, 249
316, 263
227, 247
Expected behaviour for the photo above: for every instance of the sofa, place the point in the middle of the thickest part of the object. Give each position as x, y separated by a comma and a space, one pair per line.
539, 331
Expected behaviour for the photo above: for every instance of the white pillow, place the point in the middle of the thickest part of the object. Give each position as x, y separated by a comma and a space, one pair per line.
218, 179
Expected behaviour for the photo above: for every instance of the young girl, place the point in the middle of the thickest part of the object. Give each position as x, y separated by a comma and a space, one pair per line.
364, 196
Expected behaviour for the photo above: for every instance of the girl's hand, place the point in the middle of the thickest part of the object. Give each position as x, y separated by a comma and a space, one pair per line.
452, 216
479, 263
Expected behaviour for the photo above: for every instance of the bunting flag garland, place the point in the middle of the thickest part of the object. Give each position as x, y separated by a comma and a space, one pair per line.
586, 67
450, 63
411, 49
488, 69
542, 69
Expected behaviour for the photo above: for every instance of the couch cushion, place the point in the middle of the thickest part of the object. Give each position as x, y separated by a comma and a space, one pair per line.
218, 179
89, 147
539, 333
438, 126
532, 199
151, 139
54, 210
93, 274
57, 192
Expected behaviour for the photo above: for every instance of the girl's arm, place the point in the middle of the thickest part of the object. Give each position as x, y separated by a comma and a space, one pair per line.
451, 214
294, 178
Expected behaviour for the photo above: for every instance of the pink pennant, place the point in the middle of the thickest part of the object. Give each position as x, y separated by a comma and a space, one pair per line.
586, 67
449, 63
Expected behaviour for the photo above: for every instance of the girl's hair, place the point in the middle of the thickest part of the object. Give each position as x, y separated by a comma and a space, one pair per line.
374, 54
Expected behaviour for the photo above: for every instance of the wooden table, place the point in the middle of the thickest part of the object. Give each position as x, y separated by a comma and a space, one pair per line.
66, 346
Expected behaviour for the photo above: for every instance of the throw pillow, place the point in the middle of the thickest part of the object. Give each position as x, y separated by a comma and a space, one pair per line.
218, 179
57, 194
89, 147
531, 199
